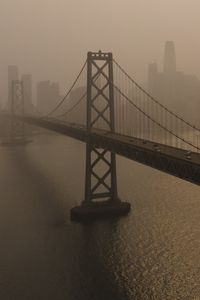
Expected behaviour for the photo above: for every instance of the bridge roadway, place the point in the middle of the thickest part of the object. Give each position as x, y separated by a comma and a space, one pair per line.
165, 158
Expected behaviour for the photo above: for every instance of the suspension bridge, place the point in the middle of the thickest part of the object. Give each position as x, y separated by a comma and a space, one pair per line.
110, 112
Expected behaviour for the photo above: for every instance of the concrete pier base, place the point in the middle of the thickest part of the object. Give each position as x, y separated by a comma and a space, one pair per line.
97, 210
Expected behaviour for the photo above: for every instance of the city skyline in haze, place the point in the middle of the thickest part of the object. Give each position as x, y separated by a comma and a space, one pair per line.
177, 90
50, 39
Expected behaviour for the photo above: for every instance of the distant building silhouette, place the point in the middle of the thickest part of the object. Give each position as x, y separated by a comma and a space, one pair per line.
48, 95
27, 85
178, 91
13, 74
169, 58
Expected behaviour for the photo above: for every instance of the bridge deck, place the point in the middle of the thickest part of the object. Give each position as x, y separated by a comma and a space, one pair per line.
156, 147
168, 159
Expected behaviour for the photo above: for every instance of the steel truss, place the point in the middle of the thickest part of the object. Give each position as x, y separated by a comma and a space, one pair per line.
101, 183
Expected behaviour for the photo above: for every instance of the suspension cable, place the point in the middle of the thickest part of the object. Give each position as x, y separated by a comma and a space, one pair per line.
74, 106
153, 99
150, 118
68, 92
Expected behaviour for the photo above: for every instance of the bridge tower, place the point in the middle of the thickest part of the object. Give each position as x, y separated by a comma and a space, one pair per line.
16, 133
101, 197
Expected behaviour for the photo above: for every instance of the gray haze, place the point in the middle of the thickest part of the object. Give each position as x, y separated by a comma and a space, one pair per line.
50, 38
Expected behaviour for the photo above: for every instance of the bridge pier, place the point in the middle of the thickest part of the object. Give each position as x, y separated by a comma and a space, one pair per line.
101, 197
101, 210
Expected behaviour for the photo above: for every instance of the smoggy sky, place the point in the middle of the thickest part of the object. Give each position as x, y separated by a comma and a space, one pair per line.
50, 38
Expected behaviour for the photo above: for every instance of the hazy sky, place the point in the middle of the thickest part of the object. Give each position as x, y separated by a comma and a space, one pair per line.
50, 38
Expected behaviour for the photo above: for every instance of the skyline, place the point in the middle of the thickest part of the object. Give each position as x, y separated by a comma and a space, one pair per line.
169, 61
100, 150
57, 38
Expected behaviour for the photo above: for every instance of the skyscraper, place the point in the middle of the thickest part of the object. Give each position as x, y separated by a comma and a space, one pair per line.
176, 90
27, 85
12, 75
169, 58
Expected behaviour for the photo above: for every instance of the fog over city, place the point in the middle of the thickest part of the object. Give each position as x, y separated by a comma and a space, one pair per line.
49, 39
100, 149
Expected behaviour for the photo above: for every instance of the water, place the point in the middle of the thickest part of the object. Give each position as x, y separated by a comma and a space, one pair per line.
151, 254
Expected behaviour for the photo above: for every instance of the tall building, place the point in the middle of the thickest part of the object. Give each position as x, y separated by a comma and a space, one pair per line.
179, 92
27, 85
48, 95
169, 58
12, 75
